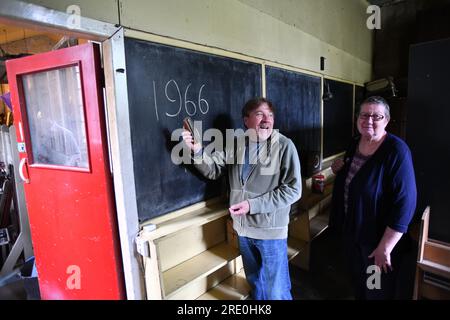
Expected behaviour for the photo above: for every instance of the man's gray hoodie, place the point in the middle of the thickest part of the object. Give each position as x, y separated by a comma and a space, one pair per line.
273, 185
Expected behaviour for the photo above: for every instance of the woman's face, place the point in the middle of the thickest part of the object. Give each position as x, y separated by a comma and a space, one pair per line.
372, 120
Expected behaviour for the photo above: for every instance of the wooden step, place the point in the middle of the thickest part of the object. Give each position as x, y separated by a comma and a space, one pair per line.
199, 266
311, 199
235, 287
319, 224
295, 246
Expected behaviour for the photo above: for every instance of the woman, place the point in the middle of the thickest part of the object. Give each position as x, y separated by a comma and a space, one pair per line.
374, 199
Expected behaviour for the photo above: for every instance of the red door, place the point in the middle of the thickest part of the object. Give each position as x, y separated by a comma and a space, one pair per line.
58, 110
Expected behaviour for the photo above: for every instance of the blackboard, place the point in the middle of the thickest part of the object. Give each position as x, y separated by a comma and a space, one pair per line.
166, 84
337, 118
427, 132
360, 93
296, 97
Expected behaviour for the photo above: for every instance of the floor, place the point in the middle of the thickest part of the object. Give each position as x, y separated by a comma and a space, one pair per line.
327, 278
21, 284
14, 289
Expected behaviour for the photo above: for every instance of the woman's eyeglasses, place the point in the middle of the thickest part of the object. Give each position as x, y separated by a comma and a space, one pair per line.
375, 116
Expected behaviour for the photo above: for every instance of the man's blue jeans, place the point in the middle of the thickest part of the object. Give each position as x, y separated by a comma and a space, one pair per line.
266, 268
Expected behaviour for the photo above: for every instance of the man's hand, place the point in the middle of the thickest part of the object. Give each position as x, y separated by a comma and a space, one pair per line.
189, 141
240, 208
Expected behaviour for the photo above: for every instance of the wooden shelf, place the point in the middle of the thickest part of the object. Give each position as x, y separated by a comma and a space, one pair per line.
433, 292
192, 218
191, 251
309, 218
433, 267
295, 246
319, 224
312, 199
199, 266
235, 287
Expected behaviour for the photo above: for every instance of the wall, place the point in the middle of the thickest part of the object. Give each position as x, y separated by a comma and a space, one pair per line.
341, 24
103, 10
403, 24
294, 33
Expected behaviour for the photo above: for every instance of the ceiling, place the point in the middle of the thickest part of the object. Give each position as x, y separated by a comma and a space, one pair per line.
18, 41
10, 33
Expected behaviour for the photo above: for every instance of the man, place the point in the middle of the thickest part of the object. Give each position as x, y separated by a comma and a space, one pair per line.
264, 177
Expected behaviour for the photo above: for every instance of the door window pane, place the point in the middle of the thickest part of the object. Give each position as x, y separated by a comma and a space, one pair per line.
56, 118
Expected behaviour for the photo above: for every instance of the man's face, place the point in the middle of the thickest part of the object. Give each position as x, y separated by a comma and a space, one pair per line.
261, 120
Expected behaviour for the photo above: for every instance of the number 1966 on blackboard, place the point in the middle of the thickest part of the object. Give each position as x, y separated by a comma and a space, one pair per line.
175, 97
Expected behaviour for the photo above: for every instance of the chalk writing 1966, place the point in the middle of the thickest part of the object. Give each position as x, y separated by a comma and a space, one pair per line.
173, 95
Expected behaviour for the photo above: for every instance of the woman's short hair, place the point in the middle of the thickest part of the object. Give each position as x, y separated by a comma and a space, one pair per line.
377, 100
254, 103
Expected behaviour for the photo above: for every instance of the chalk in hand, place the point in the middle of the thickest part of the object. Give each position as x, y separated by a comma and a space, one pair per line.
188, 124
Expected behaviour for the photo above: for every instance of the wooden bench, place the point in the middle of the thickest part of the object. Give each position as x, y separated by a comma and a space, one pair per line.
190, 255
433, 266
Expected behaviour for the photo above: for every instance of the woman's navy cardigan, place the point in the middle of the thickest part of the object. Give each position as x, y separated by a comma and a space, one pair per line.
382, 193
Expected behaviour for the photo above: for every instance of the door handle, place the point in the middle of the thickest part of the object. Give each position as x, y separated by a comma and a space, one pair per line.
21, 166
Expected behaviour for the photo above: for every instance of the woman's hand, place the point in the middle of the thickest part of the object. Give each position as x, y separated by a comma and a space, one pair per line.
382, 253
382, 259
337, 165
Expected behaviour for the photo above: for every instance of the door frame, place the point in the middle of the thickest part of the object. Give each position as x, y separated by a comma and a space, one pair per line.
111, 37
